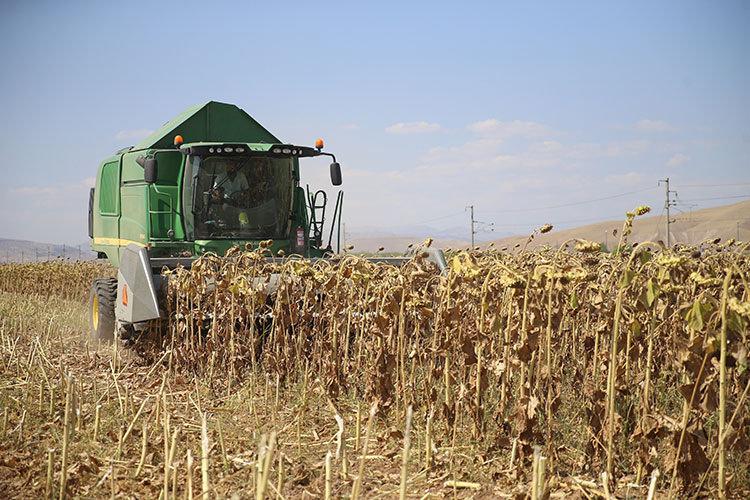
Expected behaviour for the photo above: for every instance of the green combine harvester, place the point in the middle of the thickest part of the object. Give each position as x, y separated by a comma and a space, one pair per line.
210, 179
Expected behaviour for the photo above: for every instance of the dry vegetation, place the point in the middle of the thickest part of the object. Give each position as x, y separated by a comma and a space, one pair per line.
558, 372
60, 278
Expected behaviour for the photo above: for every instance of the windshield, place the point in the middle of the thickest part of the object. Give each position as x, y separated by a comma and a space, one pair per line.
240, 197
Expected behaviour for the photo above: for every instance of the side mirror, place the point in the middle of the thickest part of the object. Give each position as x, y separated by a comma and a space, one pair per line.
91, 213
335, 174
150, 170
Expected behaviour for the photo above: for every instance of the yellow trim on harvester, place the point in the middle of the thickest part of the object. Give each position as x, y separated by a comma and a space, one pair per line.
117, 242
95, 312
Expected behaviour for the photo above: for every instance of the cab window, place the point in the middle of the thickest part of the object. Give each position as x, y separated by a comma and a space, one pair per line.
109, 188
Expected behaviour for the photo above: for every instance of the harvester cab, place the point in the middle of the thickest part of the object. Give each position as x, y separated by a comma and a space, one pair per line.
209, 180
246, 192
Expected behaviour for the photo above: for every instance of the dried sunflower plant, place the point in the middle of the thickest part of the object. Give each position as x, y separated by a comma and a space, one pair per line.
566, 370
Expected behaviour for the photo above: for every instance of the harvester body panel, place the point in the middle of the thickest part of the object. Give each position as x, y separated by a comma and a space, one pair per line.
127, 210
137, 299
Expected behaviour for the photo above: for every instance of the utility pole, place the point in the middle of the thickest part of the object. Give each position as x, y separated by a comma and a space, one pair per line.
667, 203
473, 232
691, 206
486, 226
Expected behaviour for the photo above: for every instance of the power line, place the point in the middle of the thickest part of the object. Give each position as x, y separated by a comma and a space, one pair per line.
519, 225
718, 198
593, 200
661, 217
438, 218
583, 202
736, 219
713, 185
474, 223
601, 218
660, 220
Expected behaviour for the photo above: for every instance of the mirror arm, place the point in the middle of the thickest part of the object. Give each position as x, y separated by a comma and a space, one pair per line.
323, 153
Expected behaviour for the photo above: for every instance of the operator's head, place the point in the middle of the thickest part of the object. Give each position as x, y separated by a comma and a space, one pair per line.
232, 166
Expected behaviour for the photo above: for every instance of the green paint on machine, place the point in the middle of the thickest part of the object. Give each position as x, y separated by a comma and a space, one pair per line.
226, 181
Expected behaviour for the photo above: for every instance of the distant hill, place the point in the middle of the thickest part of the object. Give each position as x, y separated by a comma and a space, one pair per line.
723, 222
397, 243
28, 251
687, 228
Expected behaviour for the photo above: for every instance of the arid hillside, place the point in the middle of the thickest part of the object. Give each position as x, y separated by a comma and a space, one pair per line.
728, 221
724, 222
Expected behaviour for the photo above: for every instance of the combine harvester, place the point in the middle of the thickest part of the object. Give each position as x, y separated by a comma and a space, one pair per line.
209, 180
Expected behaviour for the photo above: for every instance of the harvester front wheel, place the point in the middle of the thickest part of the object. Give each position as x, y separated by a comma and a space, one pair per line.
102, 309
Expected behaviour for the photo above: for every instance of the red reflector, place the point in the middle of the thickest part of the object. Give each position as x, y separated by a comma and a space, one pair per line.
124, 295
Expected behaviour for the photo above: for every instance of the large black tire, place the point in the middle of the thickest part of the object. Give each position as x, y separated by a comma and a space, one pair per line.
102, 309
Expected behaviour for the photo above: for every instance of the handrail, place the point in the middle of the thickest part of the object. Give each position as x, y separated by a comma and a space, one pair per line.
160, 196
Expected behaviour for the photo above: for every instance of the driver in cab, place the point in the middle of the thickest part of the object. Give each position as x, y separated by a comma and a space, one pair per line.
230, 184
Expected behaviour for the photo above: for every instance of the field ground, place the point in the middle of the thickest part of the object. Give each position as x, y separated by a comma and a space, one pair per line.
120, 383
520, 385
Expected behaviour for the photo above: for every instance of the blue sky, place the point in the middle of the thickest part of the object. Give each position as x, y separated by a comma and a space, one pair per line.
429, 106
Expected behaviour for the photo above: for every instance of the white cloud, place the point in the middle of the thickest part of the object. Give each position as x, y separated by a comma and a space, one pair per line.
649, 126
350, 126
503, 164
130, 135
677, 160
498, 146
519, 156
413, 128
515, 128
491, 173
614, 149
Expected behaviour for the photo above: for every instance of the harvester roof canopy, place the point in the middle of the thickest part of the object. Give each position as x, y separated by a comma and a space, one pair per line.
213, 121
